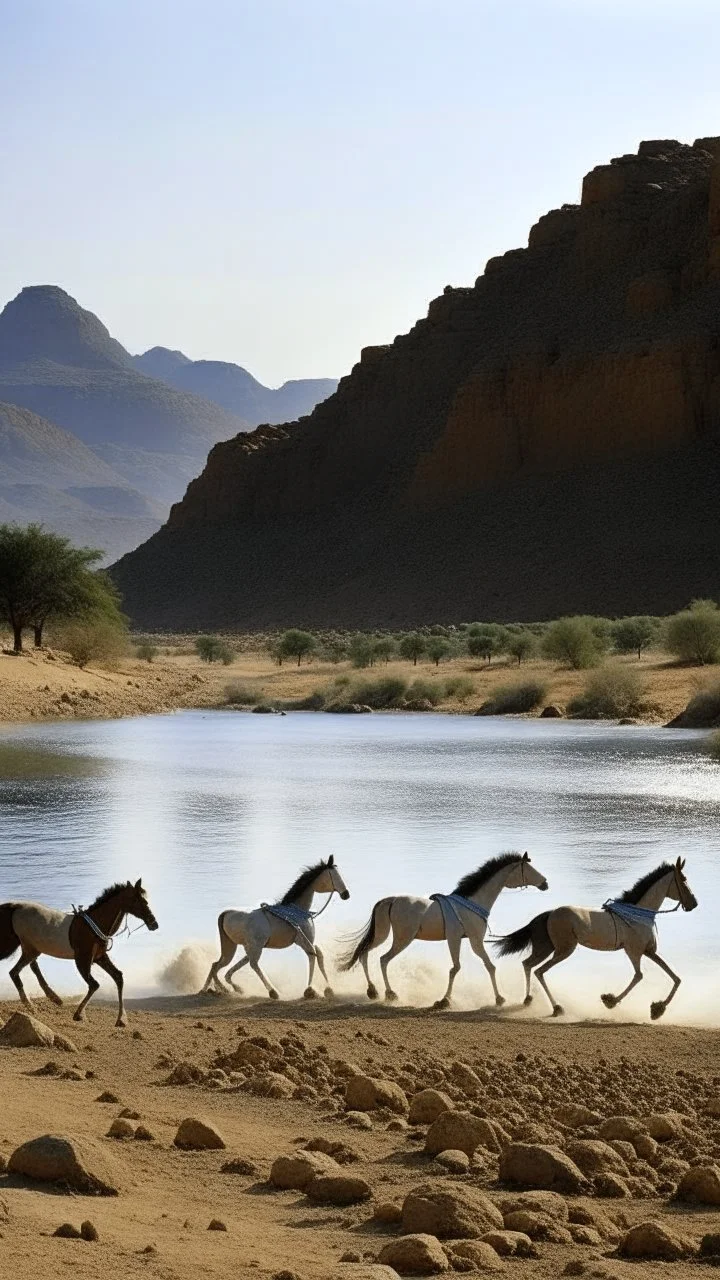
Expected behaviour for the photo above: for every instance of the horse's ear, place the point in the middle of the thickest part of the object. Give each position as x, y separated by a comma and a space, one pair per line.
331, 860
682, 864
138, 886
679, 864
526, 856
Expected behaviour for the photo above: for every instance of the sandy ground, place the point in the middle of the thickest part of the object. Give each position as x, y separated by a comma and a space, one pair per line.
158, 1225
46, 685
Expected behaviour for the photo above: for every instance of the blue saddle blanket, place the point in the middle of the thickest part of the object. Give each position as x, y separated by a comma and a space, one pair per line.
450, 902
298, 917
629, 912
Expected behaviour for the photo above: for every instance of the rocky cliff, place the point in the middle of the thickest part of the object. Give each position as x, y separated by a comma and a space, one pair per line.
547, 439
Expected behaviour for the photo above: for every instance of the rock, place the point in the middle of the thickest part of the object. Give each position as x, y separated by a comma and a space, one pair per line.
415, 1255
665, 1126
700, 1185
594, 1157
388, 1212
551, 712
358, 1120
585, 1235
624, 1128
611, 1186
654, 1240
67, 1231
143, 1134
427, 1105
712, 1106
270, 1084
511, 1244
82, 1165
107, 1096
710, 1245
464, 1076
198, 1135
127, 1113
591, 1216
89, 1231
575, 1116
449, 1210
537, 1226
340, 1151
216, 1224
22, 1031
646, 1148
366, 1270
338, 1189
364, 1093
460, 1131
121, 1129
293, 1173
528, 1165
549, 1203
480, 1252
453, 1161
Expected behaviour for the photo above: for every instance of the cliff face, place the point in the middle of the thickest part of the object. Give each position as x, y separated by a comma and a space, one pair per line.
594, 352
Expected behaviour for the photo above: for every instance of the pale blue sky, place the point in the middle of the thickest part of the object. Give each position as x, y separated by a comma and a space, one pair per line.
281, 182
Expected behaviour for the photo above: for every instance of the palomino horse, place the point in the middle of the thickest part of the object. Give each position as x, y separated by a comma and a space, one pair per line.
624, 924
452, 917
275, 925
84, 936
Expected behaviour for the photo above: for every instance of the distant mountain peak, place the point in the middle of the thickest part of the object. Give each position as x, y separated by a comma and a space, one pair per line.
160, 362
45, 323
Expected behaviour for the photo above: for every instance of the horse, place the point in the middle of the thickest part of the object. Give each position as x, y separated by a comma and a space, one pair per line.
278, 925
462, 914
83, 935
623, 924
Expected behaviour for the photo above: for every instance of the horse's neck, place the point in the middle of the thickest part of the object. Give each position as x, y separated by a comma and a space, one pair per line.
656, 894
108, 916
304, 901
487, 893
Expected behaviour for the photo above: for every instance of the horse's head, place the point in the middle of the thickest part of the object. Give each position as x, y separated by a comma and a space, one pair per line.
330, 881
523, 873
136, 904
679, 889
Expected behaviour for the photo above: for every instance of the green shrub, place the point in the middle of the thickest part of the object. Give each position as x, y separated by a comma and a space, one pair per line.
146, 651
635, 635
362, 652
459, 687
432, 691
693, 635
514, 699
388, 691
97, 640
240, 695
486, 639
314, 701
209, 648
703, 709
612, 693
574, 642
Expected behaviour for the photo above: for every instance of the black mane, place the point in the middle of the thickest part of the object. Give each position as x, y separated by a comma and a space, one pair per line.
303, 881
472, 881
645, 882
107, 893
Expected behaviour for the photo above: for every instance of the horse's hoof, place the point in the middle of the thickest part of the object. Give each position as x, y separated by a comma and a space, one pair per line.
372, 992
558, 1011
233, 988
391, 995
56, 999
442, 1004
657, 1009
499, 1000
310, 993
78, 1017
609, 1000
121, 1022
329, 993
528, 1000
273, 994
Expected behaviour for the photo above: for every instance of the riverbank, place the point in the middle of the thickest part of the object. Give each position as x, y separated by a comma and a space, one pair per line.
46, 685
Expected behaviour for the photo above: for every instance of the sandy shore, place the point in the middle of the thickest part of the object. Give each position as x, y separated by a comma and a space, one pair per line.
516, 1074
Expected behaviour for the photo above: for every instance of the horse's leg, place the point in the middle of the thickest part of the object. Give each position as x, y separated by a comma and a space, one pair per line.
253, 954
104, 962
309, 948
51, 995
399, 944
83, 965
478, 946
610, 1000
15, 972
561, 954
454, 942
227, 951
658, 1007
328, 992
542, 948
229, 975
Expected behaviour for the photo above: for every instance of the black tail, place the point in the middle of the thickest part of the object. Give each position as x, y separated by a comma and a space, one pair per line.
513, 944
9, 941
362, 946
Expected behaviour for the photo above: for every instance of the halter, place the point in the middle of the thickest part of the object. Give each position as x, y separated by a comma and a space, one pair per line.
104, 937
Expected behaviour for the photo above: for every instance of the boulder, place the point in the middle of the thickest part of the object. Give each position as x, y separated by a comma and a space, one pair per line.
427, 1105
655, 1240
22, 1031
363, 1270
449, 1210
511, 1244
464, 1076
338, 1189
460, 1131
547, 1202
585, 1235
294, 1172
453, 1161
388, 1212
665, 1126
365, 1093
121, 1129
575, 1116
622, 1128
415, 1255
700, 1185
66, 1231
611, 1186
81, 1165
537, 1226
591, 1216
480, 1253
198, 1135
525, 1164
594, 1158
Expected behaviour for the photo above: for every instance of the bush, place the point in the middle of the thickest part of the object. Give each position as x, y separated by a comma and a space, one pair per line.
486, 639
333, 651
239, 695
694, 634
388, 691
635, 635
213, 649
384, 648
432, 691
521, 645
314, 701
574, 642
97, 640
296, 644
610, 694
459, 687
702, 711
437, 649
412, 646
362, 652
147, 652
514, 699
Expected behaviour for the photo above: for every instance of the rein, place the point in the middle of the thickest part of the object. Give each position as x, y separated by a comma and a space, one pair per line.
107, 938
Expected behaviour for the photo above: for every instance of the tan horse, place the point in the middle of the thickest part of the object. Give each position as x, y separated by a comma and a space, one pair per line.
624, 924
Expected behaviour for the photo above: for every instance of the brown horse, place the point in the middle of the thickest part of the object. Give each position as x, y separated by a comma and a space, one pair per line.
82, 935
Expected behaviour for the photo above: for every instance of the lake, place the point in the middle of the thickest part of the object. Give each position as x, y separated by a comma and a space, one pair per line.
219, 809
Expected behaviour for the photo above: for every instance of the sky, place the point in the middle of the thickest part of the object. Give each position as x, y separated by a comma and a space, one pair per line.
282, 182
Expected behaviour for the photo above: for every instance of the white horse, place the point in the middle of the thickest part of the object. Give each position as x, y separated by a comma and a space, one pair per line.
278, 925
623, 924
462, 914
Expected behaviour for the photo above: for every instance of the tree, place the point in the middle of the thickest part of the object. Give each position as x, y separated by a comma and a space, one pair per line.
521, 645
485, 639
362, 652
693, 635
412, 646
384, 648
634, 635
297, 644
43, 577
574, 642
438, 649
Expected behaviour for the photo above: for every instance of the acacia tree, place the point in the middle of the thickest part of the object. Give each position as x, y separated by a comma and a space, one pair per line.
634, 635
297, 644
412, 646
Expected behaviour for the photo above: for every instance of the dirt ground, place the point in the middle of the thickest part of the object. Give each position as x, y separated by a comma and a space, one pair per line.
46, 685
158, 1225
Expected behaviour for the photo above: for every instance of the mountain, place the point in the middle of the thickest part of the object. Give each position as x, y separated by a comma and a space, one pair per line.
544, 441
234, 388
50, 476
